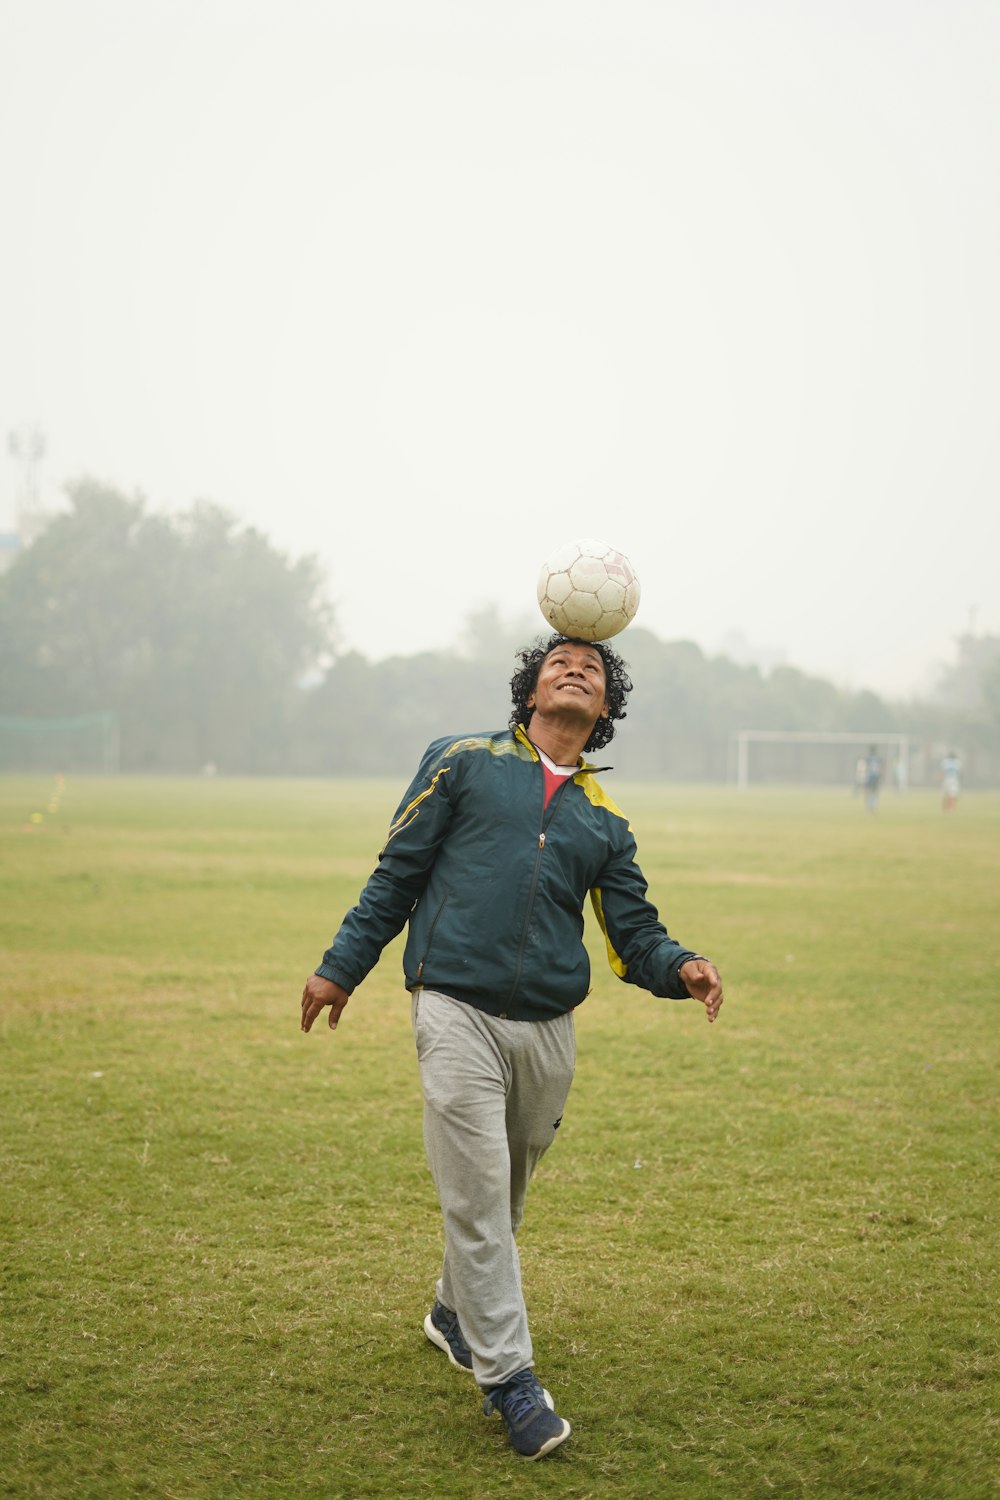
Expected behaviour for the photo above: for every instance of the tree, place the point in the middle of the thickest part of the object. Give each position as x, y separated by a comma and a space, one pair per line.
967, 683
191, 628
989, 682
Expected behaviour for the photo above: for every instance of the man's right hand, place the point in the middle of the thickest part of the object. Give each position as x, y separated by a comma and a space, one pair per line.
319, 992
703, 983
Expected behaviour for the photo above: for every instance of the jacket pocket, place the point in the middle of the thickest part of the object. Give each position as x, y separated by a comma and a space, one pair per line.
428, 941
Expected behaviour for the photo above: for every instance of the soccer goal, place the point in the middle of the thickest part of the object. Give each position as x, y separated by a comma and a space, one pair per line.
817, 756
80, 742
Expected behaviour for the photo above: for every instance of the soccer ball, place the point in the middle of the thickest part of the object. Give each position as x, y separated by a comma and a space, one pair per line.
588, 590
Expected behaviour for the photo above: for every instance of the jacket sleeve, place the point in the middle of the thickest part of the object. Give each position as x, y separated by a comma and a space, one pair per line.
640, 949
396, 884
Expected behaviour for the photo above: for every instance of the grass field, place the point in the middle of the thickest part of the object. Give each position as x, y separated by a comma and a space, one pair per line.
760, 1261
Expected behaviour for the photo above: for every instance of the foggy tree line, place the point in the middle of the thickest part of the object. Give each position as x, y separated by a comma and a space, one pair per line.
213, 649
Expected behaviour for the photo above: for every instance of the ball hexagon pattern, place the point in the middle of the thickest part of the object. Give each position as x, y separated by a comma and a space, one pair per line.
588, 590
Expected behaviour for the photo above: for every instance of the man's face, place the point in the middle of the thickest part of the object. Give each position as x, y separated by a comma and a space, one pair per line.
571, 682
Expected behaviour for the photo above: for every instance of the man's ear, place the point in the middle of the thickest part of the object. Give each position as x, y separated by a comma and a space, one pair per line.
529, 702
605, 711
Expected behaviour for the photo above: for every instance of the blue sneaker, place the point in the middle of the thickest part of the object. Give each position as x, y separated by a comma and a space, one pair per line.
442, 1327
532, 1425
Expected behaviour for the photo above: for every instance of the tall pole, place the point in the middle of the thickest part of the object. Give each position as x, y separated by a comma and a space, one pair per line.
27, 446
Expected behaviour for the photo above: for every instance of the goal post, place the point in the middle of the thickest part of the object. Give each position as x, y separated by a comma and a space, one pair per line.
75, 742
898, 744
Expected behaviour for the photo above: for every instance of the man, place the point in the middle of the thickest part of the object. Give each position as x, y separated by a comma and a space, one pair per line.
490, 858
951, 781
873, 779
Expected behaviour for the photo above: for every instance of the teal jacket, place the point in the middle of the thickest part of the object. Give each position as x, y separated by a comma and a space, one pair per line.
494, 887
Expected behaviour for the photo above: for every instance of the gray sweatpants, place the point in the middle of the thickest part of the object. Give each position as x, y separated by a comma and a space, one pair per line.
494, 1092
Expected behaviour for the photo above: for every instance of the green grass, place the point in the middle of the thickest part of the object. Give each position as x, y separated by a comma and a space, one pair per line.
760, 1261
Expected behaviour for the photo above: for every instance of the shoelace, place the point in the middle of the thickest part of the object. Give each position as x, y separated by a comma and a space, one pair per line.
517, 1400
452, 1332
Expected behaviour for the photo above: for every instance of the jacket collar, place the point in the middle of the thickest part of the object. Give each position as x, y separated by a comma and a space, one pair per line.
521, 734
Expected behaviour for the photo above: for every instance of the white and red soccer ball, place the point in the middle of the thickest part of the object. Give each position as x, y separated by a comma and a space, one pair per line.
588, 590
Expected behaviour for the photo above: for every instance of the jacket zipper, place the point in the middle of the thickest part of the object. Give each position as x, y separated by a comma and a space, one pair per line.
545, 823
430, 935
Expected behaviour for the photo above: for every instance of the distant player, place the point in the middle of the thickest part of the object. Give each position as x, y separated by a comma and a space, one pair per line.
873, 779
489, 860
951, 781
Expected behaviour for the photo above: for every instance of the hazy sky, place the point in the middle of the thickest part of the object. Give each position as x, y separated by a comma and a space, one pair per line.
428, 288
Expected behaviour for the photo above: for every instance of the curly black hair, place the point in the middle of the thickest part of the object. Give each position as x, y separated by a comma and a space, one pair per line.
618, 685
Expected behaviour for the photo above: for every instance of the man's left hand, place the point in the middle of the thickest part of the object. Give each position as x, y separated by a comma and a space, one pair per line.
704, 983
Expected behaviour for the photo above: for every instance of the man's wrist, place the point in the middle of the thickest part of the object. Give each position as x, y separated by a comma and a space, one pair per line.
692, 958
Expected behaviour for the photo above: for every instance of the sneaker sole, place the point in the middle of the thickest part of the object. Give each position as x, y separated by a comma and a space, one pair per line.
439, 1341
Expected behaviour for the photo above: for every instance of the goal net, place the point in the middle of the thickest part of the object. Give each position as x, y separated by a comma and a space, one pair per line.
80, 742
817, 757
